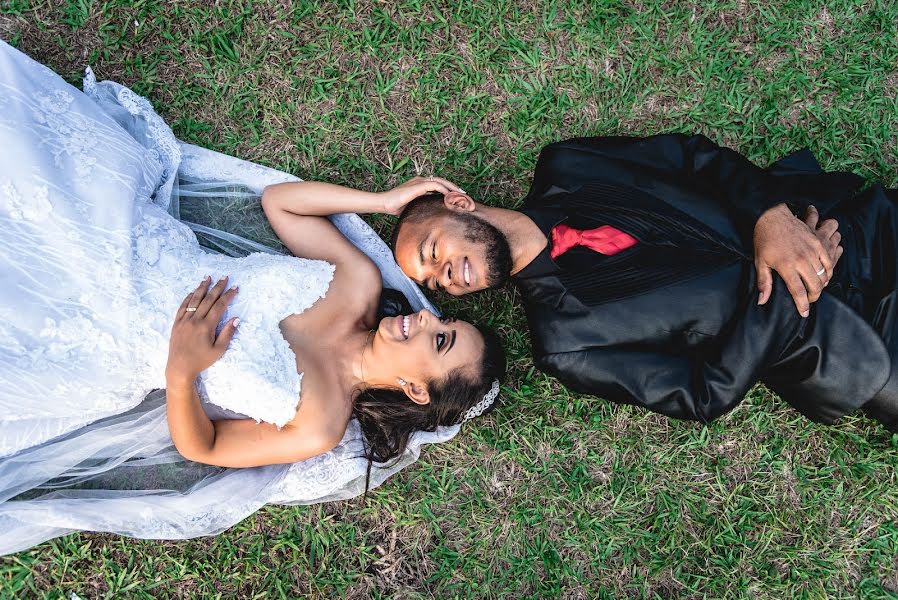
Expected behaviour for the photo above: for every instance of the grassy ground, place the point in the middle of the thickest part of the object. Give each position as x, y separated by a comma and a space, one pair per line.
555, 494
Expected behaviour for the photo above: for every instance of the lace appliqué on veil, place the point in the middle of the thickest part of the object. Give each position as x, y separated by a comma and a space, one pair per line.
70, 133
212, 166
160, 146
165, 149
35, 207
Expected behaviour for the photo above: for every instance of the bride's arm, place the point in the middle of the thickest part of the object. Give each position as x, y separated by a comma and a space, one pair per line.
238, 443
297, 212
319, 199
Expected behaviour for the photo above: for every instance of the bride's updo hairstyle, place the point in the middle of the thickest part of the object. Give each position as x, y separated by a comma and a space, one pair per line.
388, 418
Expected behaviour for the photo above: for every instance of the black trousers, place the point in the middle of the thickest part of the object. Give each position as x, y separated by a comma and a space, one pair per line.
866, 278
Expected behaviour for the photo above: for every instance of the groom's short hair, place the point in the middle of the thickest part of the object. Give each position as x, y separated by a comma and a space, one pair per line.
419, 209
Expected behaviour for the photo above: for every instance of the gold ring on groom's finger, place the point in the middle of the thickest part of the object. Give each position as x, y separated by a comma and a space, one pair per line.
190, 309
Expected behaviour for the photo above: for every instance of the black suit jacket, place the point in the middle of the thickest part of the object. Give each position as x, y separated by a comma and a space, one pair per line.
673, 324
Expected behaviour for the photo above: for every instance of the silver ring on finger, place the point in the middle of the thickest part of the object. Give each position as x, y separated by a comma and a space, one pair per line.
821, 272
190, 309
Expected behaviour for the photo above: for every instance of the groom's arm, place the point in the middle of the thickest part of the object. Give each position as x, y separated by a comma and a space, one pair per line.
744, 188
747, 193
824, 364
676, 385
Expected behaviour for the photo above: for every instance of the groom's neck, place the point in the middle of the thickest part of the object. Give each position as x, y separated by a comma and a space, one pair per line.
525, 239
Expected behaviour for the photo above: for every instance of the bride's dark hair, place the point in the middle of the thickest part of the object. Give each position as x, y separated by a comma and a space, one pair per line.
388, 418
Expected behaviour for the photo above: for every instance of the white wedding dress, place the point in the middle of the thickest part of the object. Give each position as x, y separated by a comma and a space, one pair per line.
93, 265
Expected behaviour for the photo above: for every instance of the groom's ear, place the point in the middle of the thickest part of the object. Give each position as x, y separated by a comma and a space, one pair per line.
459, 202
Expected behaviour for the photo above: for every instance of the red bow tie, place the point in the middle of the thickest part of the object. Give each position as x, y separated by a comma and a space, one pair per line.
604, 240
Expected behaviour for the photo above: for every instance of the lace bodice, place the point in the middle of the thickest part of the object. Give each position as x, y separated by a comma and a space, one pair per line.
257, 376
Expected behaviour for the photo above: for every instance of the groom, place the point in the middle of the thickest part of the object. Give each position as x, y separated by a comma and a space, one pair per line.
645, 265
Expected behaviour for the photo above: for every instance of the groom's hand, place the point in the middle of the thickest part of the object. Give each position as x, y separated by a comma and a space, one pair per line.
827, 232
394, 201
803, 254
193, 346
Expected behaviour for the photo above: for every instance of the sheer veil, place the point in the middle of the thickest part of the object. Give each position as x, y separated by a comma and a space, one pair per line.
121, 474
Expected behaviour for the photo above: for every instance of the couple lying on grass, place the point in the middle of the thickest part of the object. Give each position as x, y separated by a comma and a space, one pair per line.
157, 389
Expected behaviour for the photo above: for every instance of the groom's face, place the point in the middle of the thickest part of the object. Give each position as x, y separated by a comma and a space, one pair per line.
455, 252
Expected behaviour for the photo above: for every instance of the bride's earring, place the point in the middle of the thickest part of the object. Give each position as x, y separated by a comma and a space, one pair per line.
401, 381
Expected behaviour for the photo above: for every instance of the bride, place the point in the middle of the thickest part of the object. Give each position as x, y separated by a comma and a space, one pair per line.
413, 372
279, 367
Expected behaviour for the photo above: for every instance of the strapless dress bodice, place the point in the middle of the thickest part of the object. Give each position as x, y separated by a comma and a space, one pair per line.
257, 376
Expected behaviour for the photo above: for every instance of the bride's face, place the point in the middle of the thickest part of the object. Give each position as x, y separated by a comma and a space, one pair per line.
422, 347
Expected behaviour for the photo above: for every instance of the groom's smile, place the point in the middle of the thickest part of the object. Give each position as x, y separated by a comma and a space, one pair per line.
441, 258
456, 253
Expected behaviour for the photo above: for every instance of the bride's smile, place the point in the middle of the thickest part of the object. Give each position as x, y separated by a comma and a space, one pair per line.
420, 347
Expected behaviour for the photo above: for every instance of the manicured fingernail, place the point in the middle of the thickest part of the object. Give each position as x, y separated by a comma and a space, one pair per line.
236, 322
805, 314
760, 297
462, 191
207, 278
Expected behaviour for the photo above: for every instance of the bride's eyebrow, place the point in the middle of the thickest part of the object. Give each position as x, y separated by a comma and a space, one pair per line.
451, 342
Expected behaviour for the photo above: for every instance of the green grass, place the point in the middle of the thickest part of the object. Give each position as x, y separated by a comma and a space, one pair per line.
555, 494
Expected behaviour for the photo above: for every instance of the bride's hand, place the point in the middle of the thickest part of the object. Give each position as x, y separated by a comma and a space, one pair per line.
194, 346
396, 199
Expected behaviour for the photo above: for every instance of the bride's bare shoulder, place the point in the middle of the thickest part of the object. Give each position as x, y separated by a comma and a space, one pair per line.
357, 283
323, 408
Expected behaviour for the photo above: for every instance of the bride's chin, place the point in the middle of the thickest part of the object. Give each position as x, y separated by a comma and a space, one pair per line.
389, 329
384, 328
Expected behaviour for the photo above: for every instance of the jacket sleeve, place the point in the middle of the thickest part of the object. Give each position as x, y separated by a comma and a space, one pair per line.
824, 365
744, 189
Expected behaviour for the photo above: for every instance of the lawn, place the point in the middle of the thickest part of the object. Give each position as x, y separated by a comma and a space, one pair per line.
554, 494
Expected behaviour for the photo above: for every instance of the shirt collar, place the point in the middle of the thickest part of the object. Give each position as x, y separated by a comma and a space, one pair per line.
546, 218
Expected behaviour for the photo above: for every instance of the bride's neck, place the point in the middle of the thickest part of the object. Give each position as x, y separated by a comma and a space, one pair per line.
366, 372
